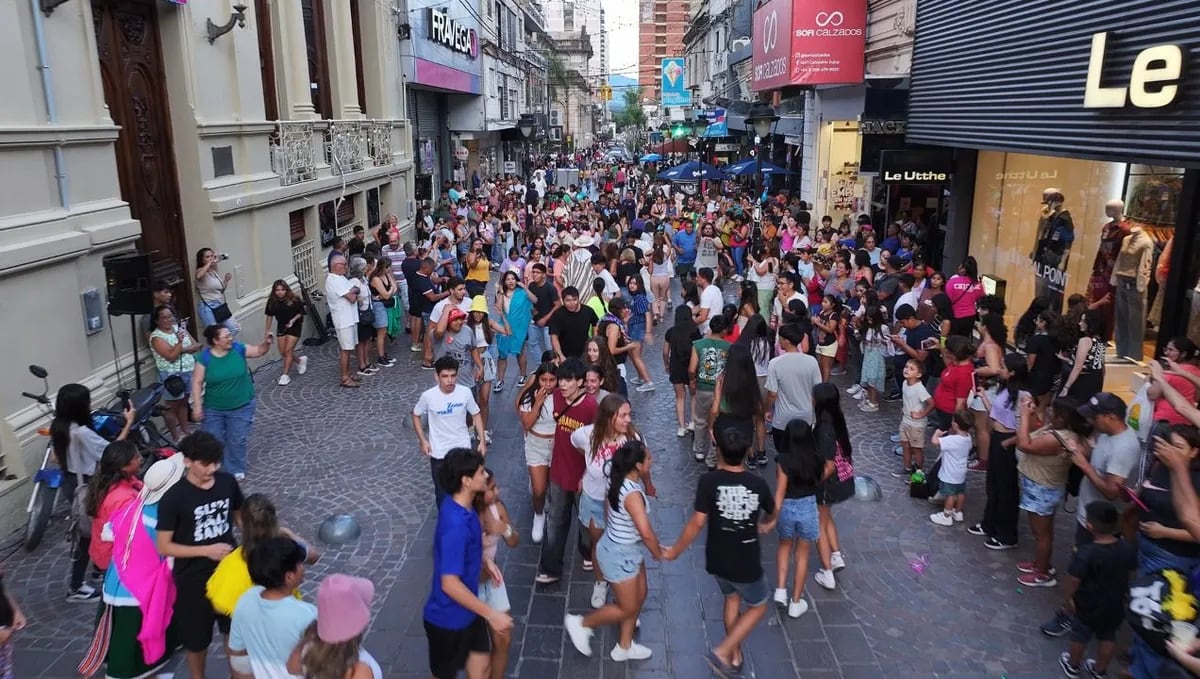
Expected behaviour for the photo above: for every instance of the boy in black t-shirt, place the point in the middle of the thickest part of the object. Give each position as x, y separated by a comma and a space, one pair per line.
1096, 583
732, 502
195, 525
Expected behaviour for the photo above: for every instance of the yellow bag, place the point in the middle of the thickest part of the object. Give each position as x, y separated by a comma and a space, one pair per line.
229, 582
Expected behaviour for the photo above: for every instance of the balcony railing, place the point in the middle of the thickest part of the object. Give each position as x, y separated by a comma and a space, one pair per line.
346, 144
293, 156
304, 264
380, 142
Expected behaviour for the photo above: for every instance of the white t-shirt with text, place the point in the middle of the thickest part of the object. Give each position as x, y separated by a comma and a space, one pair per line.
447, 418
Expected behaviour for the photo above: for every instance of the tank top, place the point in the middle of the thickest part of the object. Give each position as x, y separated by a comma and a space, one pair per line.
491, 543
619, 526
211, 288
184, 363
663, 269
1094, 362
386, 286
479, 272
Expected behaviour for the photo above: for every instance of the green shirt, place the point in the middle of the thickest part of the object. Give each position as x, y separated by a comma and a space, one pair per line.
597, 305
710, 355
227, 382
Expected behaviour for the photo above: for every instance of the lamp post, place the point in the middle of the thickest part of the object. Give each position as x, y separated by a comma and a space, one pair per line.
699, 127
525, 125
762, 118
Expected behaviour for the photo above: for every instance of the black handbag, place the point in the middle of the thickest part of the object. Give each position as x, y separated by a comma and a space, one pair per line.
221, 312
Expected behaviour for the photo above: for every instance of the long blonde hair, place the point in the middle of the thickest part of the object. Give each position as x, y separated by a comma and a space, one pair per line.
323, 660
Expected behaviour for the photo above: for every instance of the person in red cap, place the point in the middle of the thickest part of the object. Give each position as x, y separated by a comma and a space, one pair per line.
332, 645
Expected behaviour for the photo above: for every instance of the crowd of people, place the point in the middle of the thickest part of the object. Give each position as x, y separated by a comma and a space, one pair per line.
758, 308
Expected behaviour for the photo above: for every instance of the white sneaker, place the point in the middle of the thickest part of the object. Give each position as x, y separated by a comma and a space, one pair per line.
691, 426
797, 608
283, 380
942, 518
854, 389
780, 596
681, 432
958, 517
581, 637
645, 386
599, 594
539, 528
836, 561
825, 579
860, 394
868, 407
635, 651
635, 381
302, 365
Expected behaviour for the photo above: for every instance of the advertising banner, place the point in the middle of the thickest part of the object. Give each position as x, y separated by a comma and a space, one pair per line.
809, 42
674, 84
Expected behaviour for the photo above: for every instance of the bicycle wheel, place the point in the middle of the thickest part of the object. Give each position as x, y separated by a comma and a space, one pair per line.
39, 518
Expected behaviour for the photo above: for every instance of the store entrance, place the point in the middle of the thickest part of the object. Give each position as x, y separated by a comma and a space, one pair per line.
922, 204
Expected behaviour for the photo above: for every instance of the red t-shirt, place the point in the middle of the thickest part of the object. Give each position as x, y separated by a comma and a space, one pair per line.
955, 384
1163, 410
566, 462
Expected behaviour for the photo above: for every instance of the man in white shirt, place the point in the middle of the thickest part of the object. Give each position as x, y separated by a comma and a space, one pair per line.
446, 406
342, 297
711, 301
600, 268
269, 620
907, 294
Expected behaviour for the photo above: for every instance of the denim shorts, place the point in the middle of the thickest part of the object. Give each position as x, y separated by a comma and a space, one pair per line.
618, 562
495, 596
591, 512
752, 593
381, 314
949, 489
798, 519
1039, 499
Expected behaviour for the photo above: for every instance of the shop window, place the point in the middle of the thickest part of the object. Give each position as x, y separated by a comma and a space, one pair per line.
296, 225
1059, 227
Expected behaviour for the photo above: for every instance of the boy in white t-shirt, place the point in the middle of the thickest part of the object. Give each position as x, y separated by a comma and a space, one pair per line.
952, 477
917, 405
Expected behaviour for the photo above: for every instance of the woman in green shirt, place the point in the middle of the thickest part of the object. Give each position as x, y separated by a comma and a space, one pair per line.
223, 392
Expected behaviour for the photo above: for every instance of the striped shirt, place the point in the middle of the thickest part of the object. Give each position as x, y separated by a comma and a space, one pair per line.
619, 526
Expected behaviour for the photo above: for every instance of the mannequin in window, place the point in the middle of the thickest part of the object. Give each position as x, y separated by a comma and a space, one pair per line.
1100, 290
1052, 250
1131, 278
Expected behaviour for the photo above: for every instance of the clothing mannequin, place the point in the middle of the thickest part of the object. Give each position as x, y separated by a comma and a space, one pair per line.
1131, 278
1056, 233
1100, 289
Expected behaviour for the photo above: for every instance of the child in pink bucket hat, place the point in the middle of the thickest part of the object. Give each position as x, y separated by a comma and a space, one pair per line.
343, 613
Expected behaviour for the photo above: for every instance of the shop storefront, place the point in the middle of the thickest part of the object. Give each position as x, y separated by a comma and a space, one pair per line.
440, 59
1088, 166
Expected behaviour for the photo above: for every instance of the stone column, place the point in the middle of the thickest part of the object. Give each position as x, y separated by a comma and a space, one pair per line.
340, 46
291, 55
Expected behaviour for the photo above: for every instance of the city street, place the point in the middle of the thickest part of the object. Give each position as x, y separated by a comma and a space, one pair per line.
319, 450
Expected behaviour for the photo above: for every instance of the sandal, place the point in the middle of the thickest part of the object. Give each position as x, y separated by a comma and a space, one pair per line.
350, 384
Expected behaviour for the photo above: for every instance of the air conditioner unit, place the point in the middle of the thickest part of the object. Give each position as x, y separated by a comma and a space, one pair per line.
555, 117
555, 134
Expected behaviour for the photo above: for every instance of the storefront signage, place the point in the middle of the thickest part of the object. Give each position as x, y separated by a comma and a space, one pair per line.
510, 167
462, 153
809, 42
916, 166
725, 148
791, 140
1153, 83
882, 127
452, 34
674, 83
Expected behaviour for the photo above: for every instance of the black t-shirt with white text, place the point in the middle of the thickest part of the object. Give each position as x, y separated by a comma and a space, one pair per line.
733, 502
199, 517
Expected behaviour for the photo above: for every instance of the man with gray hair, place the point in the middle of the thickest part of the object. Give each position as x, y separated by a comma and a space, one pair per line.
342, 296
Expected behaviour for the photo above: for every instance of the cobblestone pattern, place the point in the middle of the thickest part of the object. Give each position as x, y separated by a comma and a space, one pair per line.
318, 450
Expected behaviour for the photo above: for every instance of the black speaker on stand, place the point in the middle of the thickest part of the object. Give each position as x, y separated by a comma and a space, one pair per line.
130, 289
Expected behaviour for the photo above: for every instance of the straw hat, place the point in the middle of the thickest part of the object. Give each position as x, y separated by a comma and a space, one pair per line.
160, 477
585, 241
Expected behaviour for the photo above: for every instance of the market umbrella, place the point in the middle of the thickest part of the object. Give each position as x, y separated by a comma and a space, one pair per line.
692, 171
748, 167
650, 158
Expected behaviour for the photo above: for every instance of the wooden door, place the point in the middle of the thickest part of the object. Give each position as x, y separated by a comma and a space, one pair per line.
131, 66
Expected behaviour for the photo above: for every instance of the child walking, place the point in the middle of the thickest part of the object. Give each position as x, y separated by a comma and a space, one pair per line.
1095, 585
876, 338
917, 406
493, 516
952, 476
799, 473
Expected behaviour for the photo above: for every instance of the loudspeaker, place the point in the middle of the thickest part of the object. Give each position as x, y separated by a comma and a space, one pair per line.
130, 289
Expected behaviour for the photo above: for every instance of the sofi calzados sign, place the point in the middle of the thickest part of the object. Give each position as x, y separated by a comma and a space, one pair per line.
809, 42
446, 31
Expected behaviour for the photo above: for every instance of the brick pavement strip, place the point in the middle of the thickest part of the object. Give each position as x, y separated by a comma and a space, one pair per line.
319, 450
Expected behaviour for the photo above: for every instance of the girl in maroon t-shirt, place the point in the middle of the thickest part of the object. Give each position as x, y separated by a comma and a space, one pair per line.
956, 383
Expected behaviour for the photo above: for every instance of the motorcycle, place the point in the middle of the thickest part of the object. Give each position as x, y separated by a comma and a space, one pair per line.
50, 480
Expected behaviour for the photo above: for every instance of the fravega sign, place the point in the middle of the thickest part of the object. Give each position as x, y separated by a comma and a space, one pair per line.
446, 31
1153, 82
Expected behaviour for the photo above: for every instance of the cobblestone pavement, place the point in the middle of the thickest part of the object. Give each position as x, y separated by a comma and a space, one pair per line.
319, 450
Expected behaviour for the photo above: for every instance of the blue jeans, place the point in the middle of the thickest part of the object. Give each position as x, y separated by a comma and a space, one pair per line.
205, 318
538, 341
739, 256
232, 427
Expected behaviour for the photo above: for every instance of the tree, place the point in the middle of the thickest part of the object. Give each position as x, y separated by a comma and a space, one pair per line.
632, 115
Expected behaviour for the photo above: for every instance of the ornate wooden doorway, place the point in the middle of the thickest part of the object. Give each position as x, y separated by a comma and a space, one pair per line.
135, 89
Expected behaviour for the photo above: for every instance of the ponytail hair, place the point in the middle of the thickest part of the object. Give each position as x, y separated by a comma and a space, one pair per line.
626, 458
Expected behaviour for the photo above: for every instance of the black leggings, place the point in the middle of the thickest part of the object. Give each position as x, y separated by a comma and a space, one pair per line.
1001, 511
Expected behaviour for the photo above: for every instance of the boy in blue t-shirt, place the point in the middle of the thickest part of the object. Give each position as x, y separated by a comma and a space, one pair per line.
456, 621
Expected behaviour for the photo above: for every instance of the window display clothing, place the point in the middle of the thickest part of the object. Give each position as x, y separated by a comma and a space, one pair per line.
1056, 233
1131, 278
1100, 284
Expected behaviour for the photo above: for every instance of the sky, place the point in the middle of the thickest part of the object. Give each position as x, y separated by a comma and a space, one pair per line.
621, 19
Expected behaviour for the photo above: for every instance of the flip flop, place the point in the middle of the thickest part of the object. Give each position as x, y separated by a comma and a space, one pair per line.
351, 385
722, 668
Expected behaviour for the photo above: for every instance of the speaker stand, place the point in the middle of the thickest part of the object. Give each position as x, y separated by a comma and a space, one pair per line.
137, 364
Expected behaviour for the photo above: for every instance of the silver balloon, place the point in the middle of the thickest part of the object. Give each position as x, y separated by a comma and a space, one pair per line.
867, 489
339, 529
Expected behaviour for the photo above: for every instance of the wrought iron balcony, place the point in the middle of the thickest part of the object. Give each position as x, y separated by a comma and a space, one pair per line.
293, 156
380, 142
346, 145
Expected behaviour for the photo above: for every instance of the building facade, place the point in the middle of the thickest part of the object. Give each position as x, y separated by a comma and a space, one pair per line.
574, 104
661, 26
133, 124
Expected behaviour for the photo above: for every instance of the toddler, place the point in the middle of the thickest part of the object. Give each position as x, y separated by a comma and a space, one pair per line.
952, 476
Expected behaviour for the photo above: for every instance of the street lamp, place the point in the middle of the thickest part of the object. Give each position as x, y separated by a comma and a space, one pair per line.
525, 126
762, 118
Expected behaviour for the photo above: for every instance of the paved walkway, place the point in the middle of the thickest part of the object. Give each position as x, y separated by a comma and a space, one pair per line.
319, 450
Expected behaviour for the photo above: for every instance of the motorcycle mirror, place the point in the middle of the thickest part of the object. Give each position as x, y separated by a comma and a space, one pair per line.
38, 371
